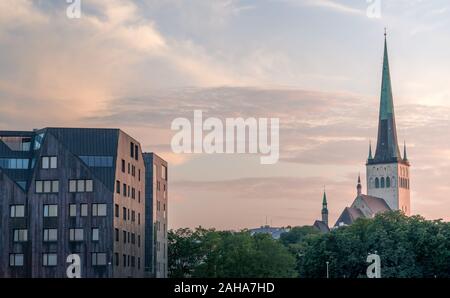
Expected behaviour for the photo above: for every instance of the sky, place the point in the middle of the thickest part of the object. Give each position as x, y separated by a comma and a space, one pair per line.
314, 64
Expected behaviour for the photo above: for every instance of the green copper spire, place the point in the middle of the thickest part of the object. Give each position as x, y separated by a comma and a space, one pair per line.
387, 103
387, 145
370, 150
324, 201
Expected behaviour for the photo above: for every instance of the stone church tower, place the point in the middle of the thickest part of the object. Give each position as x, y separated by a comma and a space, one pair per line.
387, 172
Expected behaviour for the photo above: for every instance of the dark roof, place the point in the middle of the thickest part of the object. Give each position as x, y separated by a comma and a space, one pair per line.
375, 204
321, 226
387, 145
348, 216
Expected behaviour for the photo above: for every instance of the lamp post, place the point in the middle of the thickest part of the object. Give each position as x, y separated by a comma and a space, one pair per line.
328, 273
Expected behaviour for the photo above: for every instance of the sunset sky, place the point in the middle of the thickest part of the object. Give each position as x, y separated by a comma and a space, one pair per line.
314, 64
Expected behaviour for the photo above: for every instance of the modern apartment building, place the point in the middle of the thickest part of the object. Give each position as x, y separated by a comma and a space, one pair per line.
72, 191
156, 204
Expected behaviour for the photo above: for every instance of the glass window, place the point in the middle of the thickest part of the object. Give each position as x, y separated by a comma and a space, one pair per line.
50, 235
15, 260
53, 162
20, 235
45, 162
76, 234
116, 210
80, 185
50, 210
55, 186
118, 186
98, 259
117, 234
49, 259
72, 185
131, 149
163, 172
84, 209
95, 234
72, 210
17, 211
89, 186
98, 209
47, 186
39, 187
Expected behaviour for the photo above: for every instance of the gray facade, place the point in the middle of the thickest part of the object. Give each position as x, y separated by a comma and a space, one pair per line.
71, 191
156, 213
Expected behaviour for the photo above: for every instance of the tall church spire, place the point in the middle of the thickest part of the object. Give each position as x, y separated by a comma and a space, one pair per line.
324, 208
387, 145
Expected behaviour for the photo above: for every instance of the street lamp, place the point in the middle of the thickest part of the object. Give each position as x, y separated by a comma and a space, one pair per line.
328, 273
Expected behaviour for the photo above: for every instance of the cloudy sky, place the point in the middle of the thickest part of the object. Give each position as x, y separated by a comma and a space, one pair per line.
315, 64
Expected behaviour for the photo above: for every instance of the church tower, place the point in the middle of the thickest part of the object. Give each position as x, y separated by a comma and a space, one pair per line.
324, 208
388, 172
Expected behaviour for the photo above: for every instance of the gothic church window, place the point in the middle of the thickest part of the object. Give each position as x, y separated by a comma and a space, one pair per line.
388, 182
382, 182
377, 183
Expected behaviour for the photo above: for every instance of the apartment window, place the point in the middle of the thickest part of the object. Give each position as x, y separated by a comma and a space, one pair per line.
116, 258
124, 233
15, 260
123, 165
17, 211
139, 263
132, 149
49, 259
139, 240
98, 259
84, 209
50, 210
133, 170
163, 172
76, 234
133, 238
117, 234
98, 209
116, 210
49, 162
136, 152
50, 235
139, 218
129, 214
133, 193
129, 168
133, 216
129, 237
124, 260
139, 196
72, 210
124, 213
95, 234
133, 261
118, 186
139, 174
81, 185
97, 161
128, 191
20, 235
124, 190
47, 186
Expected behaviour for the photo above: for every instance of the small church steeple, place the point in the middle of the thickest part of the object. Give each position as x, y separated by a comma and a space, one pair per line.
370, 151
324, 208
358, 186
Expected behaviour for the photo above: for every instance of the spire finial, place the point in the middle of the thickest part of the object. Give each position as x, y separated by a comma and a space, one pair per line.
385, 32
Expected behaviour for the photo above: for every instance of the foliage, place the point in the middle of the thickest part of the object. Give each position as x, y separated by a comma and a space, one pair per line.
408, 247
209, 253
